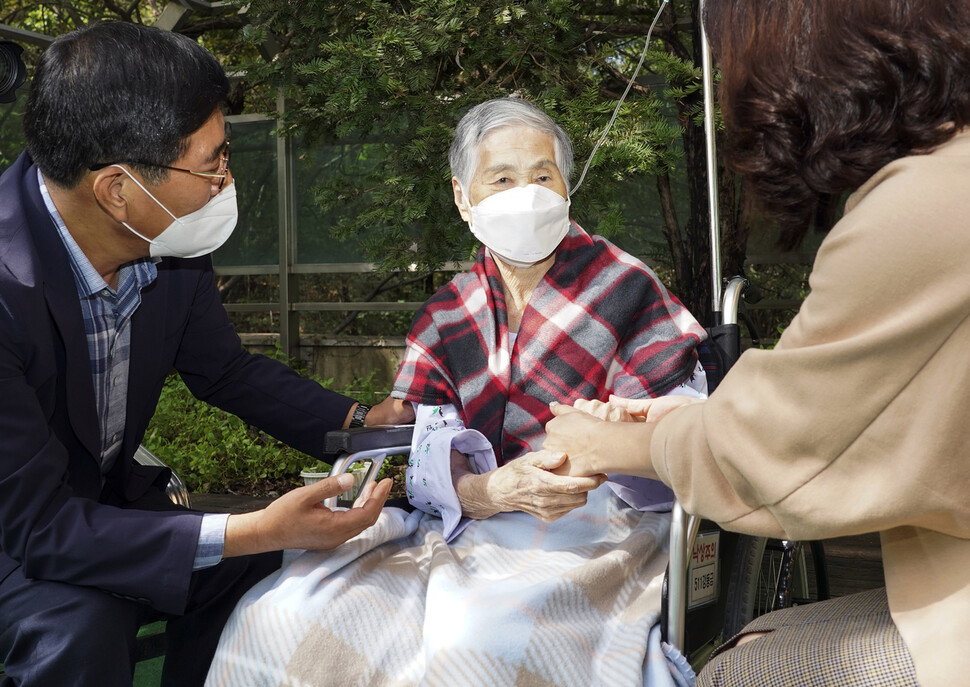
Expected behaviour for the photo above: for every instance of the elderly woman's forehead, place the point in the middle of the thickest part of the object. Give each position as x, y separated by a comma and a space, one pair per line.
512, 133
515, 146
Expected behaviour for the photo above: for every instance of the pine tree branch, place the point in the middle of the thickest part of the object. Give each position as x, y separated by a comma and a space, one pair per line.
382, 287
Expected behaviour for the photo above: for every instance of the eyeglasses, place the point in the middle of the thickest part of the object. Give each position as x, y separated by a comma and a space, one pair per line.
218, 176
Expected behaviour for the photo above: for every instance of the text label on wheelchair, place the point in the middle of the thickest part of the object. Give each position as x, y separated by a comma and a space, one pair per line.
702, 572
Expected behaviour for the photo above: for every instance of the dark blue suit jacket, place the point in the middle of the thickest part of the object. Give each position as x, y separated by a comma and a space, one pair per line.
56, 519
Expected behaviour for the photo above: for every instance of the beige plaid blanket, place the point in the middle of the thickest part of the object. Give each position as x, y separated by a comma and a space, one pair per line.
511, 601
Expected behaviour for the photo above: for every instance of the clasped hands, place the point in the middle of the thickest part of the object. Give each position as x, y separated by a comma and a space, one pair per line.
583, 442
595, 438
526, 484
578, 451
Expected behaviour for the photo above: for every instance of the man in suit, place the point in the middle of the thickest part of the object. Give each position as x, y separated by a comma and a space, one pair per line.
105, 286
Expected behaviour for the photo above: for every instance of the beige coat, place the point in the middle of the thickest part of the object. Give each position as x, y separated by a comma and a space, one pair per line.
859, 420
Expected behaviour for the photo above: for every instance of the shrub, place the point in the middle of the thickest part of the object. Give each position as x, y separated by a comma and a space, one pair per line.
214, 451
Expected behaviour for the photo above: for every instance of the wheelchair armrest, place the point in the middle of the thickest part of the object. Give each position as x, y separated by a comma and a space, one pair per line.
367, 438
363, 445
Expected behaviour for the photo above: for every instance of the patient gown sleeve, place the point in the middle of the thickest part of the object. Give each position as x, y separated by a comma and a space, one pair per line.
437, 430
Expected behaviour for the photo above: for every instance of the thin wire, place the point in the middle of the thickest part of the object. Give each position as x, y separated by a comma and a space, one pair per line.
616, 111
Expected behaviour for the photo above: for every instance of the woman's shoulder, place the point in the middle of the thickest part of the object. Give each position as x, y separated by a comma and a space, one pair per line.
449, 297
607, 261
587, 251
940, 176
913, 211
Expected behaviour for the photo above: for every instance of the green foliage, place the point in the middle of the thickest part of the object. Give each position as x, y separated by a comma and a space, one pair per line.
213, 451
393, 79
218, 30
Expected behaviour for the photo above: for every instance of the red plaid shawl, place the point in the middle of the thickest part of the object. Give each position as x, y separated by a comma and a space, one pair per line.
599, 322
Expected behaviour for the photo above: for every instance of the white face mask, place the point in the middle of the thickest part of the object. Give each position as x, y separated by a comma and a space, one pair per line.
522, 225
197, 233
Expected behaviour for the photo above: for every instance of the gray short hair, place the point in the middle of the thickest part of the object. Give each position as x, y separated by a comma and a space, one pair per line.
486, 117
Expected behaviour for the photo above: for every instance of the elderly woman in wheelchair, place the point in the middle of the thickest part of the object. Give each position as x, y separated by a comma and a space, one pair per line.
502, 572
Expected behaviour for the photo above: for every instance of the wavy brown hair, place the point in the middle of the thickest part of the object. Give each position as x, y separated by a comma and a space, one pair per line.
818, 95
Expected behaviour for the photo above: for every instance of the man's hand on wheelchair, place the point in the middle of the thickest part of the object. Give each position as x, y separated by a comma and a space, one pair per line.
298, 519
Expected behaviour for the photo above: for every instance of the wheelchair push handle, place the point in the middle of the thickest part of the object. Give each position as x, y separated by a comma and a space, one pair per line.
731, 302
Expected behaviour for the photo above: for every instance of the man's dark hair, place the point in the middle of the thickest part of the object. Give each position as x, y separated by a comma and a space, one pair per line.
113, 92
818, 95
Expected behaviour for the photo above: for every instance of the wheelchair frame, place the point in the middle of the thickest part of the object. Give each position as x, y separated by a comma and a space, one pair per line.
764, 574
746, 594
725, 344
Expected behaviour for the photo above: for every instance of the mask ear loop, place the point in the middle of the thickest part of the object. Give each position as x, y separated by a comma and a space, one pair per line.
147, 192
616, 111
468, 203
127, 226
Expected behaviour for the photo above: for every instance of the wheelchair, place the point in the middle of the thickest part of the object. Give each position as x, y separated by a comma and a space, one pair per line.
717, 581
763, 574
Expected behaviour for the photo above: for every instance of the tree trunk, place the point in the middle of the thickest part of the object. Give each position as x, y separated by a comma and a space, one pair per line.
671, 229
734, 249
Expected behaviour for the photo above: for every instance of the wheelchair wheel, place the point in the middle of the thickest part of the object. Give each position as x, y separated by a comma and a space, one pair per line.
771, 574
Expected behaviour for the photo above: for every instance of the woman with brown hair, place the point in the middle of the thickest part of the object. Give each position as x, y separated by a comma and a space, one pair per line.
856, 421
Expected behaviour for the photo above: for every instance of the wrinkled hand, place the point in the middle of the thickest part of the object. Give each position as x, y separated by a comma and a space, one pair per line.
526, 484
298, 519
529, 485
605, 411
620, 409
650, 409
390, 411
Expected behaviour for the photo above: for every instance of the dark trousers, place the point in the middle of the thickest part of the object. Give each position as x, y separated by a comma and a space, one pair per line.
54, 634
